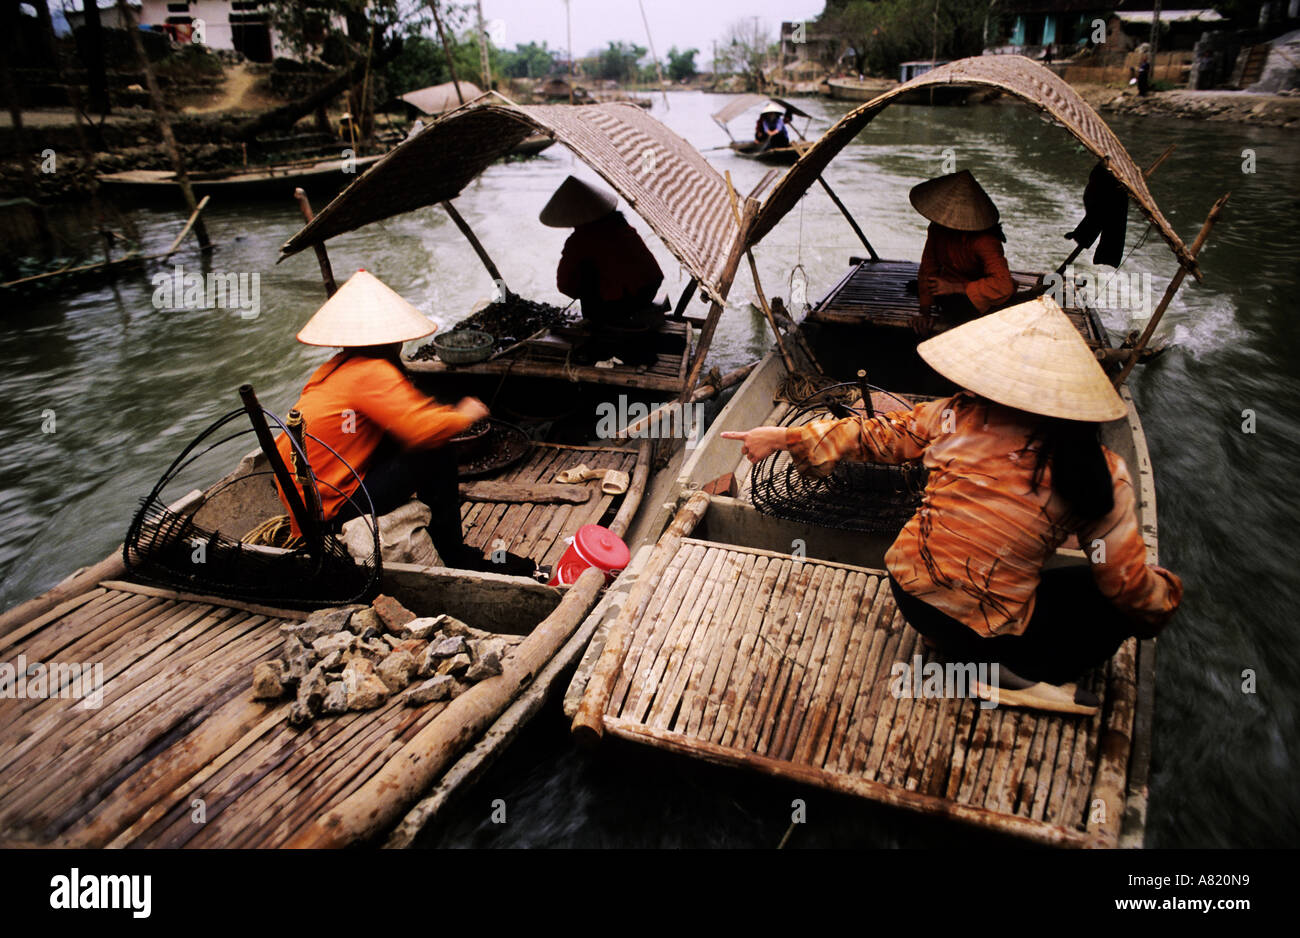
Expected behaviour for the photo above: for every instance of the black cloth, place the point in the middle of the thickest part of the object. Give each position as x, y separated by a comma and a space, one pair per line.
1073, 628
1105, 206
431, 476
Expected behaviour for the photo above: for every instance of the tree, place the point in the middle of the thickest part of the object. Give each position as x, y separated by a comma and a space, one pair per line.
883, 33
681, 65
619, 61
745, 49
528, 61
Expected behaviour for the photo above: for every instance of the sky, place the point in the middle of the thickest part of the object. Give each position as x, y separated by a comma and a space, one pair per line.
682, 23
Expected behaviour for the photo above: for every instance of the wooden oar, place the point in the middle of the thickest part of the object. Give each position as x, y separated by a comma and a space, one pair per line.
1174, 284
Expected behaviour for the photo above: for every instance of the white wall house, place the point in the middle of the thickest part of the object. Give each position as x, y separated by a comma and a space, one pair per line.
222, 24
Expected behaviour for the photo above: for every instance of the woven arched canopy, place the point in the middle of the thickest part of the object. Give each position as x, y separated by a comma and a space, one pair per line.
662, 177
1017, 75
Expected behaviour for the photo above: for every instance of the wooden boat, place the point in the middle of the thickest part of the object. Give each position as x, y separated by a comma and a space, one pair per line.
754, 641
776, 156
753, 149
685, 201
178, 726
857, 89
180, 754
319, 178
437, 100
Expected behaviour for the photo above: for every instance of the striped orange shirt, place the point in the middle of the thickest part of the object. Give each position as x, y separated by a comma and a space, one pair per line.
975, 548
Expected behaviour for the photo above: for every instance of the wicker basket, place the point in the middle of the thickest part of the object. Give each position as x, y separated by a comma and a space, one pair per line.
463, 347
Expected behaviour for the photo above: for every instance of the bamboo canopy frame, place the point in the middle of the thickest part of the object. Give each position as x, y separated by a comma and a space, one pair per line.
661, 177
1032, 83
1041, 88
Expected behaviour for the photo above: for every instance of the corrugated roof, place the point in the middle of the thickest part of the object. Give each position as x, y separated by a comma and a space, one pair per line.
662, 177
1025, 79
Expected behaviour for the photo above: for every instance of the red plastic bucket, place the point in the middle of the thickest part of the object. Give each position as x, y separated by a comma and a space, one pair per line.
592, 546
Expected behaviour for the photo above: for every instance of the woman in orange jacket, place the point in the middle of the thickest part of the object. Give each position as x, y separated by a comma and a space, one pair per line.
963, 269
1016, 468
367, 421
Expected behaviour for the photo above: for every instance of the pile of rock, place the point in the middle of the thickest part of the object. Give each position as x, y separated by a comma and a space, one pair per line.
356, 657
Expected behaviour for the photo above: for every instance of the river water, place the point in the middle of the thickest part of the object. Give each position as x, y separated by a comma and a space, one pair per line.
102, 390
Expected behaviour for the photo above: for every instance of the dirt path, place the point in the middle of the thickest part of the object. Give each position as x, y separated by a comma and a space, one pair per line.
238, 92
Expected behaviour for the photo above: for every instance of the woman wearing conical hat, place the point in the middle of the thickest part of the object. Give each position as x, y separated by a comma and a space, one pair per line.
605, 266
963, 269
1016, 468
367, 415
770, 129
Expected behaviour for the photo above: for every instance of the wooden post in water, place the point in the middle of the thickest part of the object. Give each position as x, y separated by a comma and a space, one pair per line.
1174, 284
164, 125
322, 258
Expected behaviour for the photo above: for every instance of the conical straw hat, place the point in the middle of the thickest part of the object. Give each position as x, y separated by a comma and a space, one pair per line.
772, 108
1030, 357
955, 201
577, 203
365, 312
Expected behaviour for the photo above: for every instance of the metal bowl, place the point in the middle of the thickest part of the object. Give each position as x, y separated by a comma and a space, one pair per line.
464, 346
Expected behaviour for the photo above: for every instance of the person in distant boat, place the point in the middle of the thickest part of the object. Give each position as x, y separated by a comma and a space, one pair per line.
604, 265
770, 130
1016, 467
963, 270
365, 414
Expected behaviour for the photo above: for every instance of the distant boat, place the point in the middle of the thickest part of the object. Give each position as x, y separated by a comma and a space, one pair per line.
320, 179
780, 156
437, 100
857, 89
754, 149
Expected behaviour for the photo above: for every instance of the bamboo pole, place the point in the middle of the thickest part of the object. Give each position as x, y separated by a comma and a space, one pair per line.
852, 223
588, 723
680, 310
767, 312
446, 49
322, 258
1174, 284
724, 287
477, 246
702, 393
376, 804
632, 498
164, 125
307, 524
194, 216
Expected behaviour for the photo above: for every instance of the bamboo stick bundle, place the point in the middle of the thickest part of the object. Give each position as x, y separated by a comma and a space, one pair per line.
588, 723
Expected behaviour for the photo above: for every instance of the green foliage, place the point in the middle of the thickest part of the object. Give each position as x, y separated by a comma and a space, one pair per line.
883, 33
528, 61
681, 65
619, 61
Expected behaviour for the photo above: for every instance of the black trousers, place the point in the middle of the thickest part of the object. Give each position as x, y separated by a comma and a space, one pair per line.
1073, 628
431, 476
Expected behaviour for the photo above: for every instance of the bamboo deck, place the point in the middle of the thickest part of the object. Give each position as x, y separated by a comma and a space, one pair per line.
874, 292
539, 531
759, 660
550, 357
177, 724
